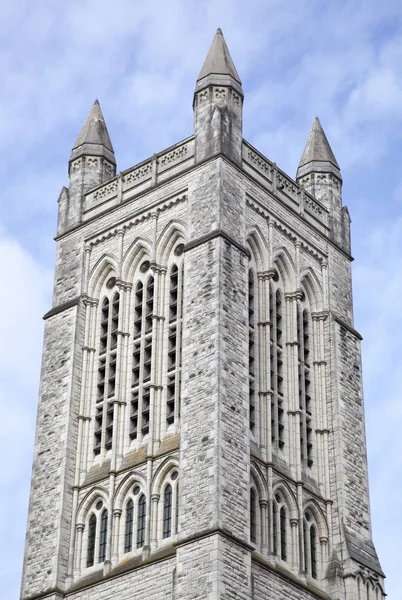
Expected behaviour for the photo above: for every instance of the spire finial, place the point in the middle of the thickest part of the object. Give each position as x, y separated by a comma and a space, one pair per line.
94, 130
218, 61
317, 155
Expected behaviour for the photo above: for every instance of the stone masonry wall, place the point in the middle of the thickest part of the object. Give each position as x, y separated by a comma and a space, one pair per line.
53, 467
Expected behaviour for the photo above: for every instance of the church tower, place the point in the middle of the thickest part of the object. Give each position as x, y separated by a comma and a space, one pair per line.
200, 429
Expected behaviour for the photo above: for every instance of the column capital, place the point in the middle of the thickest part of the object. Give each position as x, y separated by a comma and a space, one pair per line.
320, 315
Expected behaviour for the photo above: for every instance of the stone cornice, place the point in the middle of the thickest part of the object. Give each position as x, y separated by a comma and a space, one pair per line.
213, 235
61, 307
346, 326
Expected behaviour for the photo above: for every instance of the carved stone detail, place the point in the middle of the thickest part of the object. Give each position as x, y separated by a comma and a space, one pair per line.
312, 205
92, 162
76, 166
219, 92
107, 190
203, 96
258, 162
284, 184
173, 156
139, 174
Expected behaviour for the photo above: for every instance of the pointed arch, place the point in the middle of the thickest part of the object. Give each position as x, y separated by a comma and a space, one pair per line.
107, 265
162, 472
312, 288
258, 480
95, 494
172, 233
259, 248
282, 260
282, 487
125, 485
313, 507
139, 249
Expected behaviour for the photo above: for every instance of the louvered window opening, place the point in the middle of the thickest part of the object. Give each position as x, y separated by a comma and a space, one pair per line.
142, 358
276, 367
253, 516
251, 350
167, 511
174, 345
106, 384
305, 400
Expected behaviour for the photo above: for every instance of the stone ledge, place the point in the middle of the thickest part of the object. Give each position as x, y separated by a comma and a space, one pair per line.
58, 309
211, 236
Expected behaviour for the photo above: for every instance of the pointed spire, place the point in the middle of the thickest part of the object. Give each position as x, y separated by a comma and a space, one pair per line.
93, 138
219, 61
317, 155
218, 67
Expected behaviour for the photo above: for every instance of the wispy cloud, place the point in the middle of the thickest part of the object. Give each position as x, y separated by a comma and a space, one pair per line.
340, 60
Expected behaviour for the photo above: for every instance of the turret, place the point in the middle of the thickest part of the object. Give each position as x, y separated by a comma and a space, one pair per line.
218, 105
92, 162
320, 175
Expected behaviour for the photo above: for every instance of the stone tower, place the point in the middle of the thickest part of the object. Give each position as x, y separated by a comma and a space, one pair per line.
200, 428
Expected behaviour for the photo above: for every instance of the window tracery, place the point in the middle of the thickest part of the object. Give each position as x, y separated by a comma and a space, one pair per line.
107, 364
305, 387
142, 355
276, 362
310, 545
135, 518
174, 344
97, 525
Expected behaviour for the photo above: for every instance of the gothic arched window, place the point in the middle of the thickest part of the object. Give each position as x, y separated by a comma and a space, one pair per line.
279, 527
103, 536
169, 506
135, 519
276, 361
97, 534
142, 510
91, 540
174, 345
128, 537
142, 356
305, 388
251, 349
167, 511
106, 384
253, 516
310, 545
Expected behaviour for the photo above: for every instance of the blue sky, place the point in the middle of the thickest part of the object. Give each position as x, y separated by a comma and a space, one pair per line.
340, 60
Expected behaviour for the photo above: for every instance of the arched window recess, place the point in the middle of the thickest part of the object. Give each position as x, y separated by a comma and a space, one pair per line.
280, 527
174, 341
96, 538
304, 338
310, 545
107, 368
141, 375
134, 519
276, 314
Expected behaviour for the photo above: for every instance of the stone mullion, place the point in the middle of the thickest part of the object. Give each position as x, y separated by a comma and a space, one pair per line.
178, 348
110, 524
292, 346
154, 520
262, 361
123, 364
264, 525
267, 368
115, 536
154, 354
162, 359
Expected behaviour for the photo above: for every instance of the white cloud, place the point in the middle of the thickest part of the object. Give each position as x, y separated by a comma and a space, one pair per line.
297, 58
